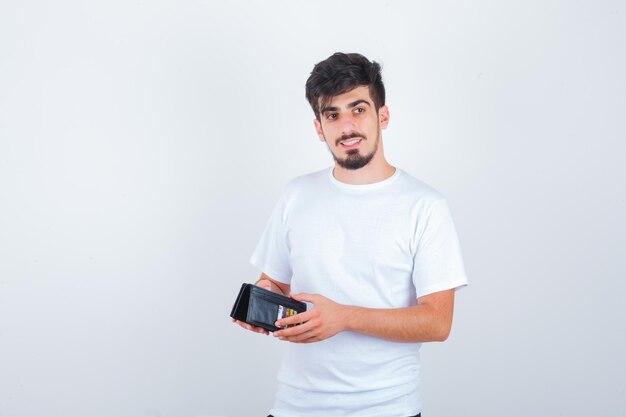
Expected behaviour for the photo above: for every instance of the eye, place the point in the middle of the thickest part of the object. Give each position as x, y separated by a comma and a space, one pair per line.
359, 110
331, 116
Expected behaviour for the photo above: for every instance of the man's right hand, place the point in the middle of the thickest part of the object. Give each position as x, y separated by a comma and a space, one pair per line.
268, 285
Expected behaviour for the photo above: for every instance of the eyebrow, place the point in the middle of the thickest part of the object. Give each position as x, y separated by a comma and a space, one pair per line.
350, 105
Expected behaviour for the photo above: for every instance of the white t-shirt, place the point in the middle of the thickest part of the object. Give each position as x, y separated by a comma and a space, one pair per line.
378, 245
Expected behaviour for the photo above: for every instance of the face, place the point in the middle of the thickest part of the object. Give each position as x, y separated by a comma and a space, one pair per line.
351, 127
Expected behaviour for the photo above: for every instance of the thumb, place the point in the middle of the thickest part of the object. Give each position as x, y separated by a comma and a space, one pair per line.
312, 298
264, 284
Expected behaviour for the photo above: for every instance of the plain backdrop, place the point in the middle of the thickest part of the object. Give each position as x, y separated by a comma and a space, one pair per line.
143, 145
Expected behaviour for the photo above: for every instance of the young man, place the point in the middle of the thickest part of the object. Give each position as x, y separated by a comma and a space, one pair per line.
372, 250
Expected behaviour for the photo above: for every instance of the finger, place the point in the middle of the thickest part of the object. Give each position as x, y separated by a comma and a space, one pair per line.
313, 338
312, 298
296, 319
252, 328
244, 325
306, 337
294, 331
264, 284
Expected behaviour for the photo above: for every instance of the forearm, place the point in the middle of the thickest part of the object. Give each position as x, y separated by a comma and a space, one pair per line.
418, 323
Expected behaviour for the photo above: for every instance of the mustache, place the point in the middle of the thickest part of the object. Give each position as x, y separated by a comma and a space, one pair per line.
349, 136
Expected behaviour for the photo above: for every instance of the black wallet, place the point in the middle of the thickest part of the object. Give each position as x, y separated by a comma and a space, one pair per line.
260, 307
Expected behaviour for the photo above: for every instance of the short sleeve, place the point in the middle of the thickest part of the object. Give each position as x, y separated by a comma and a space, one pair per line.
438, 262
271, 255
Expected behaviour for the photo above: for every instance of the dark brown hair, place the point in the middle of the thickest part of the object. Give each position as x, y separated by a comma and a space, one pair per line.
340, 73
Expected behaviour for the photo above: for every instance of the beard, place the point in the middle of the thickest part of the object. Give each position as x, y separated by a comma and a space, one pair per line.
354, 160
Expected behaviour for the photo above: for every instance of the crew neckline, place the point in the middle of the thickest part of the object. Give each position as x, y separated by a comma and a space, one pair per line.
363, 187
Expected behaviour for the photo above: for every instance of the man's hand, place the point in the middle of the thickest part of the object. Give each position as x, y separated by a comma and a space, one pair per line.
325, 320
251, 327
427, 321
268, 285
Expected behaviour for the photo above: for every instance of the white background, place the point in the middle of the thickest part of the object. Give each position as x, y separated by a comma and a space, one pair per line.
143, 145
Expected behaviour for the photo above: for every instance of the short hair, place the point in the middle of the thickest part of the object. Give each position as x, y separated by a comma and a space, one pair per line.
340, 73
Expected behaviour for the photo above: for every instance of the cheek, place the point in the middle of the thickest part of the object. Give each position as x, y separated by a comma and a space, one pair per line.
330, 134
370, 130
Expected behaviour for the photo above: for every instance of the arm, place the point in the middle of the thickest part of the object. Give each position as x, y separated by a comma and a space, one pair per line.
272, 285
427, 321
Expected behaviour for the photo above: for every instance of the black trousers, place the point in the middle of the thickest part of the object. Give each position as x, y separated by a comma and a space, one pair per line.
418, 415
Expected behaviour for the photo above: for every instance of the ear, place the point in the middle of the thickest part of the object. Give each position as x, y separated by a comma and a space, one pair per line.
383, 116
318, 130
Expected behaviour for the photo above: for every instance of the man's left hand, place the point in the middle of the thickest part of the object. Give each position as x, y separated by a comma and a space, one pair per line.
326, 319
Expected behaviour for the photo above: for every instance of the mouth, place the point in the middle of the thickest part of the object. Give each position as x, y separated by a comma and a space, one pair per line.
350, 143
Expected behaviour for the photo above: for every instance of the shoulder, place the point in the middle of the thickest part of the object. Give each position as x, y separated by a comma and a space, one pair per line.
418, 191
306, 183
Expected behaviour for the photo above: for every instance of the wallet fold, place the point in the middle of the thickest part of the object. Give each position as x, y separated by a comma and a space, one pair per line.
260, 307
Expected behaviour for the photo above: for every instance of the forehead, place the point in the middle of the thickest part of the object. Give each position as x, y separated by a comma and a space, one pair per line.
361, 92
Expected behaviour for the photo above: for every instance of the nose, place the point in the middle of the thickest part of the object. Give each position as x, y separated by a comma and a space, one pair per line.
348, 126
